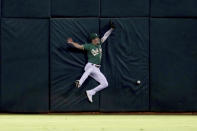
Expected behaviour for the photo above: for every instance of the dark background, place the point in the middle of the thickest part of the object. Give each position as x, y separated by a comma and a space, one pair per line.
154, 41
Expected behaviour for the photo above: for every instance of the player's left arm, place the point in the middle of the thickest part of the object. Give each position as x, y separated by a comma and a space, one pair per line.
108, 33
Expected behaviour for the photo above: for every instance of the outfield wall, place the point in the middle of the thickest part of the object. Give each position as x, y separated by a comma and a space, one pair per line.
154, 41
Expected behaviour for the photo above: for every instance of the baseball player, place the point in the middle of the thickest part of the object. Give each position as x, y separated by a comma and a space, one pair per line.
92, 68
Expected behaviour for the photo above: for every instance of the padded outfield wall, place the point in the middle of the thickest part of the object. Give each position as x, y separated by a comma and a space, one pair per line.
154, 41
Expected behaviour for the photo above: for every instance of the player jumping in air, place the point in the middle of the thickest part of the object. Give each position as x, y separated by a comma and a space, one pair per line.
92, 68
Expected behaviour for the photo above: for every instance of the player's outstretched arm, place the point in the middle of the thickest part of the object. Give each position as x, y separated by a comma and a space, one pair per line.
76, 45
107, 34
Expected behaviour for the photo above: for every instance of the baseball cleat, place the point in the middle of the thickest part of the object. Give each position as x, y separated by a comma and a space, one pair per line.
77, 83
89, 95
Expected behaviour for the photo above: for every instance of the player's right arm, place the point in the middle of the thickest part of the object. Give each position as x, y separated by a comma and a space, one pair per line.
76, 45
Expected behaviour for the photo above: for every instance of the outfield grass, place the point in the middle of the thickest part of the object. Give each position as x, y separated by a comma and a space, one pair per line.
98, 123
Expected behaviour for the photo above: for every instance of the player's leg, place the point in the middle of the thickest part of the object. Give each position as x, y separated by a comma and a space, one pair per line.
98, 76
88, 71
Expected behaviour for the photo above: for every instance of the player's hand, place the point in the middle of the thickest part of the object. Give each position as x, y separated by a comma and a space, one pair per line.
70, 40
112, 24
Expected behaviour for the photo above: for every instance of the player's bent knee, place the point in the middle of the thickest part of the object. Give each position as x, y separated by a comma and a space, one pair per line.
104, 84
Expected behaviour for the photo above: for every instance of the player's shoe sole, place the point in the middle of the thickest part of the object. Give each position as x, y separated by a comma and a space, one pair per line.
77, 83
89, 95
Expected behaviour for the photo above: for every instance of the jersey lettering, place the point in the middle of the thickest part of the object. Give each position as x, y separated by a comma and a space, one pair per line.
96, 51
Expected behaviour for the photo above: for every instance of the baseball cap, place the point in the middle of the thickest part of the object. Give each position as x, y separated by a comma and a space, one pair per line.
93, 36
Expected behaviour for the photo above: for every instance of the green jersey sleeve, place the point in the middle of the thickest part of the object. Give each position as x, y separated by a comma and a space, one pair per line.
87, 47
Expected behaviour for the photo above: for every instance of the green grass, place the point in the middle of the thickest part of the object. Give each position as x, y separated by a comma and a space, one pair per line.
98, 123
